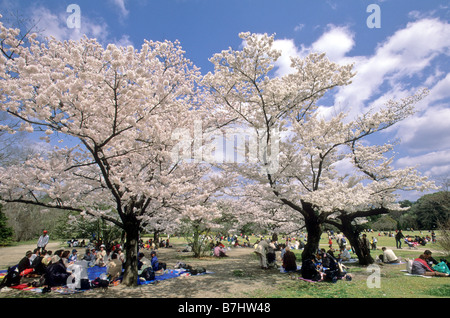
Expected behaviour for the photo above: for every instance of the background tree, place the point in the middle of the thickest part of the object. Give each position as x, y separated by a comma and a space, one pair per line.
431, 210
6, 232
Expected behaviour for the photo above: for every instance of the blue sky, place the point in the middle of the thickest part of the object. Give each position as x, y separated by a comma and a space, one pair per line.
408, 51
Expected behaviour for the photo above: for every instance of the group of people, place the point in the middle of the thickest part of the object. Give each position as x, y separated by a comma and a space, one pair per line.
322, 266
413, 241
265, 249
150, 244
56, 268
148, 267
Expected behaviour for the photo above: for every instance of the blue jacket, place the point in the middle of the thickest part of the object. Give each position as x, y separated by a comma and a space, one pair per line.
155, 263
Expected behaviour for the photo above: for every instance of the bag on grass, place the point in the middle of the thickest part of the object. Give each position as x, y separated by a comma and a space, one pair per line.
12, 277
409, 266
442, 268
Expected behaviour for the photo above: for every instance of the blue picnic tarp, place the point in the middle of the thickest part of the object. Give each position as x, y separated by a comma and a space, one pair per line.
96, 271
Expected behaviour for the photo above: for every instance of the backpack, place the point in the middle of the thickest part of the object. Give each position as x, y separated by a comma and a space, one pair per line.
12, 277
99, 282
162, 266
148, 274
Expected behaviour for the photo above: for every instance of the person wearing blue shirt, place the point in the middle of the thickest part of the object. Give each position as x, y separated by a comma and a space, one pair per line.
154, 261
156, 265
73, 257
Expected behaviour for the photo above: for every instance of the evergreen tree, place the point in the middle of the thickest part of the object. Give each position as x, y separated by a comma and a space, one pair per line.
6, 232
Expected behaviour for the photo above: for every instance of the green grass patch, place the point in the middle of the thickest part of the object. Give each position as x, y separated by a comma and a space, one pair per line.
439, 291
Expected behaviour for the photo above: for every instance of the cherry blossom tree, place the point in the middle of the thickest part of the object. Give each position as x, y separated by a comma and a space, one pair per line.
303, 171
111, 113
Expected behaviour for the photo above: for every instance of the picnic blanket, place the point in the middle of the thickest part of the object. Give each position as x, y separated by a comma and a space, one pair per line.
282, 270
414, 275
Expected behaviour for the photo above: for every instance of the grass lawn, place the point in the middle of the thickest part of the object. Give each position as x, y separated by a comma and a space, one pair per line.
393, 283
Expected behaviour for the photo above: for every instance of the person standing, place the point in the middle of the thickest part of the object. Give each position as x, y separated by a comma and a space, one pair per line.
262, 249
398, 239
43, 241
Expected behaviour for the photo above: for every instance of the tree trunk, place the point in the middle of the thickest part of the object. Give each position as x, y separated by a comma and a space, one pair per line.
156, 238
131, 227
314, 230
359, 246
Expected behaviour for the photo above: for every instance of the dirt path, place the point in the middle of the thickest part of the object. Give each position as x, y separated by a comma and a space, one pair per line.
231, 277
11, 255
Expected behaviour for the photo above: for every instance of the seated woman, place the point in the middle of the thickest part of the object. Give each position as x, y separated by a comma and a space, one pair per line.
56, 273
309, 269
420, 267
219, 251
289, 260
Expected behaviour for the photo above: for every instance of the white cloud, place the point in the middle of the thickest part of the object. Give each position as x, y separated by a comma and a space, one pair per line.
299, 27
121, 6
124, 41
52, 24
336, 42
436, 163
426, 131
400, 57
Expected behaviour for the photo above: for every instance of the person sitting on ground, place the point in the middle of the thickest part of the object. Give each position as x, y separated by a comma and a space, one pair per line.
89, 257
120, 255
65, 258
331, 252
24, 266
330, 268
56, 273
289, 260
430, 260
309, 269
344, 255
38, 265
47, 258
73, 257
36, 253
143, 263
421, 267
101, 256
327, 260
219, 251
388, 256
114, 267
156, 265
145, 270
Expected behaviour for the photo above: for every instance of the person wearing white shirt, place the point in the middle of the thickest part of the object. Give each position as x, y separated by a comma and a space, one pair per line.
388, 256
43, 241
